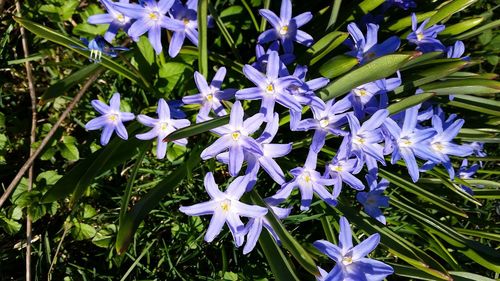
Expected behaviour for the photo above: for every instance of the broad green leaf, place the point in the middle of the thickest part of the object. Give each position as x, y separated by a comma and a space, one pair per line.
421, 60
79, 178
82, 231
281, 267
479, 233
468, 276
463, 87
422, 193
462, 26
406, 21
134, 217
374, 70
69, 42
202, 37
287, 240
68, 148
197, 128
64, 85
367, 6
450, 8
337, 66
491, 194
323, 47
409, 102
334, 14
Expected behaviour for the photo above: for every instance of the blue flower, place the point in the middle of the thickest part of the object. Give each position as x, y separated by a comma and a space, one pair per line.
254, 227
269, 152
364, 139
327, 121
114, 18
367, 49
150, 17
187, 16
210, 96
225, 208
111, 119
373, 200
97, 47
402, 4
425, 39
410, 142
285, 28
351, 261
162, 127
465, 173
309, 181
262, 56
271, 88
235, 137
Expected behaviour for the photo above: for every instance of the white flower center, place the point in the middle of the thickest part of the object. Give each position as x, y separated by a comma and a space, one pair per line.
236, 135
164, 126
270, 88
420, 36
283, 30
120, 17
324, 123
437, 146
336, 168
405, 142
360, 92
347, 260
359, 140
154, 16
225, 205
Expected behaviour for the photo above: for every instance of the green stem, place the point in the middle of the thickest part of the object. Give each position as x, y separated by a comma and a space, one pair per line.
267, 3
252, 16
202, 37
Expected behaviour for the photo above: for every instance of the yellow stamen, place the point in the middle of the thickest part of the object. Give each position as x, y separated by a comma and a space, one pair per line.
347, 260
154, 16
209, 97
359, 140
284, 30
360, 92
113, 117
164, 126
437, 146
225, 205
324, 122
186, 21
420, 36
120, 18
236, 135
337, 168
270, 88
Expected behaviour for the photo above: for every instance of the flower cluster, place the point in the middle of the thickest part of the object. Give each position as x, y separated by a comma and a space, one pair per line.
422, 136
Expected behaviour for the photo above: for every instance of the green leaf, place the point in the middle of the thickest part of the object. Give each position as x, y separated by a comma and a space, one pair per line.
463, 87
479, 30
68, 149
468, 276
281, 267
197, 128
69, 42
287, 240
323, 47
337, 66
409, 102
82, 231
134, 217
64, 85
422, 193
462, 26
447, 10
170, 74
202, 37
479, 233
374, 70
10, 226
483, 105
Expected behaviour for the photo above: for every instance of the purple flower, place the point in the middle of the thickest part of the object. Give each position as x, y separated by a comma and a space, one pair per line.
304, 93
254, 228
150, 17
114, 18
187, 16
225, 208
111, 119
410, 142
210, 95
269, 152
235, 137
465, 173
285, 28
342, 169
327, 121
477, 148
402, 4
364, 139
351, 261
441, 145
425, 39
367, 49
162, 127
262, 57
271, 88
373, 200
97, 47
309, 181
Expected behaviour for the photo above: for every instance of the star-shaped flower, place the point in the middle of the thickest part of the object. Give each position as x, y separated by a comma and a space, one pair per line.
374, 199
111, 119
114, 18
